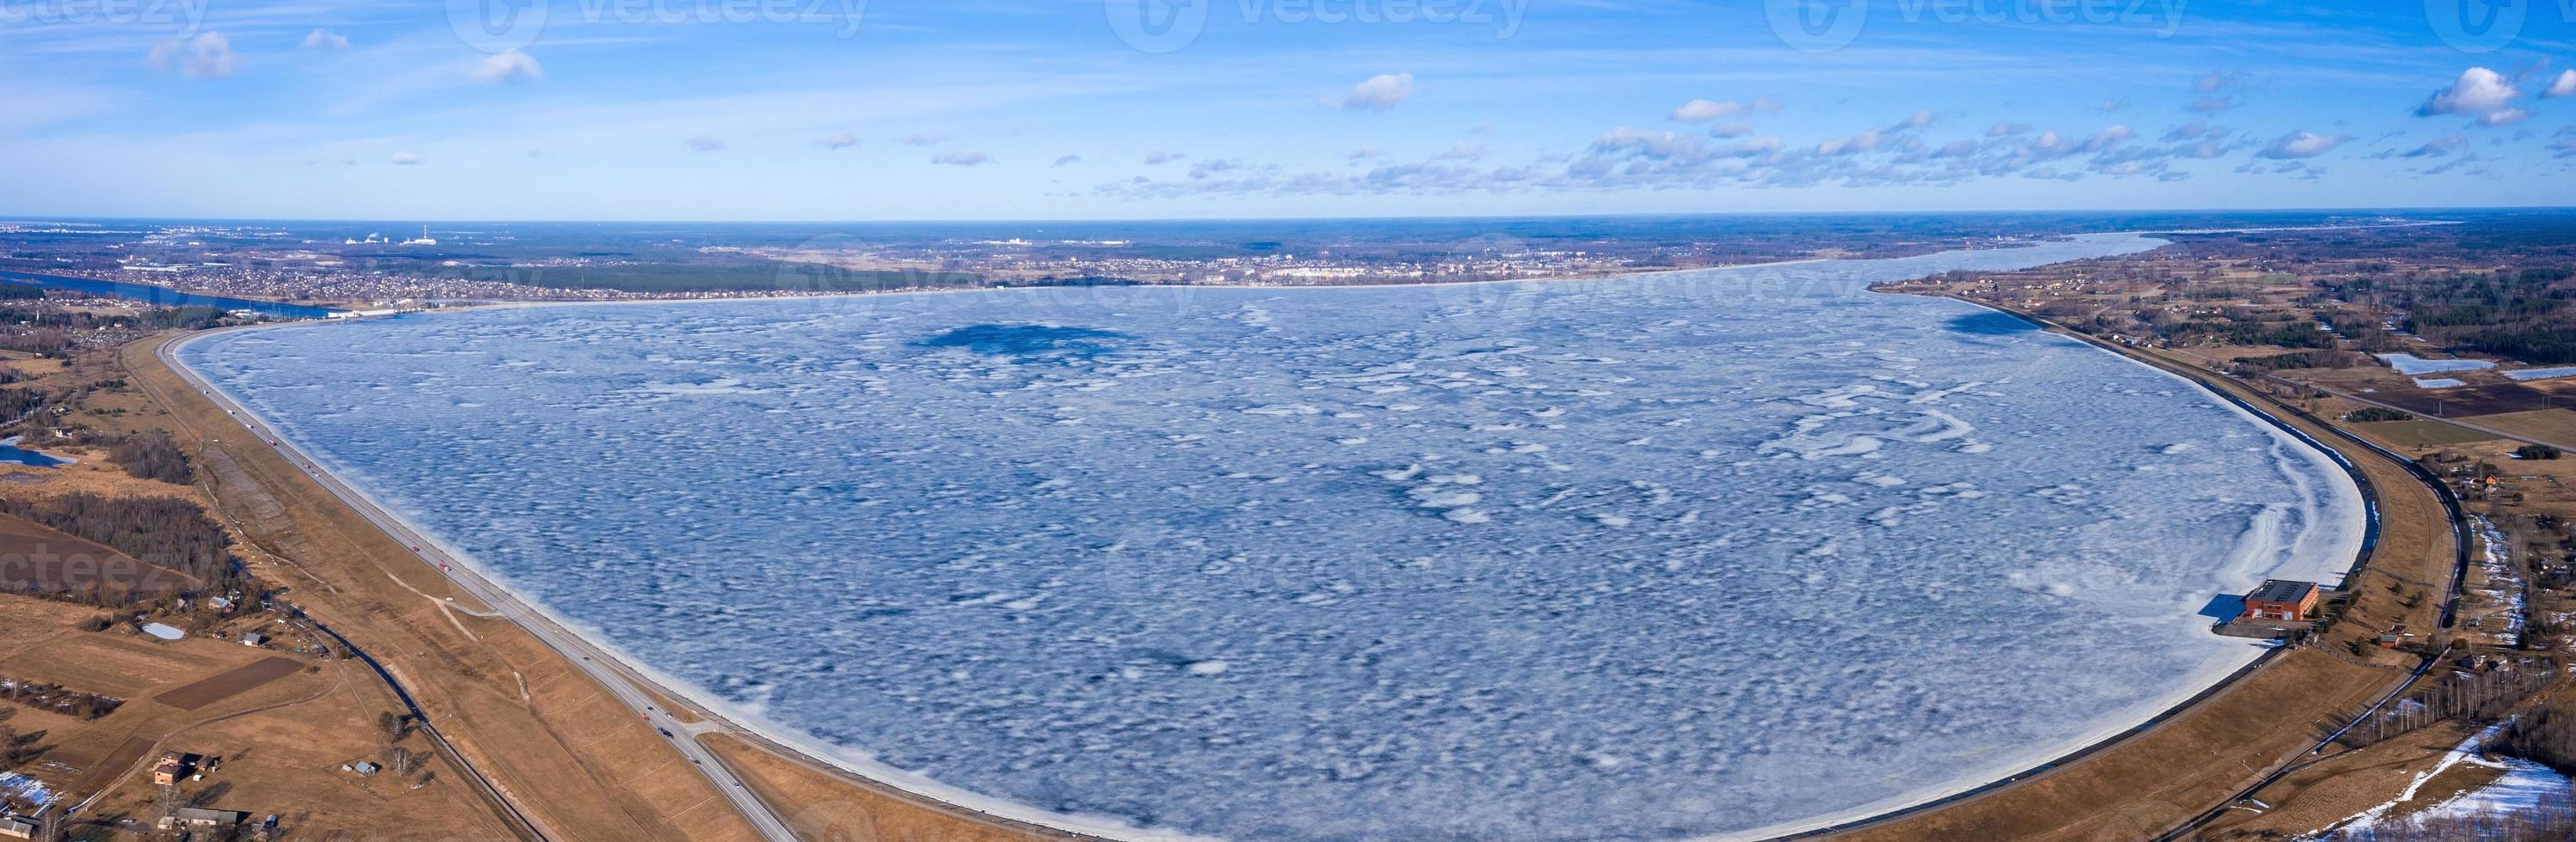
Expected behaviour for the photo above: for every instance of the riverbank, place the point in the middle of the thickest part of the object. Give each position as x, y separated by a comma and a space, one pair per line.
163, 296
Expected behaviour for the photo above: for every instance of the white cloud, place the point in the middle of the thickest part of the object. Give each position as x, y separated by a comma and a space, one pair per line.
512, 66
701, 143
2213, 104
1756, 147
1700, 110
2504, 117
2302, 145
1863, 142
1363, 153
403, 159
1158, 156
839, 140
961, 159
1661, 146
2007, 129
1067, 160
2565, 86
1730, 130
919, 139
1379, 93
2478, 91
324, 39
2209, 83
2440, 146
1916, 120
206, 56
1462, 151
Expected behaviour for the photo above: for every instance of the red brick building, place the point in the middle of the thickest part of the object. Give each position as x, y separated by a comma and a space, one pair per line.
2281, 599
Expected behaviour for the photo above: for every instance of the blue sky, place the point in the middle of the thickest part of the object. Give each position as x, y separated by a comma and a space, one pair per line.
1018, 109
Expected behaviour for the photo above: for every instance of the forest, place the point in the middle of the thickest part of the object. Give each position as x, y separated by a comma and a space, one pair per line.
167, 532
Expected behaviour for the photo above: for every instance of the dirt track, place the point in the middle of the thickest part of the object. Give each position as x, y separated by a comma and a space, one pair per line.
229, 683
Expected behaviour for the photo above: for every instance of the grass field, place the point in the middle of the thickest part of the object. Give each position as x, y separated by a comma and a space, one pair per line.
2420, 433
2555, 426
820, 806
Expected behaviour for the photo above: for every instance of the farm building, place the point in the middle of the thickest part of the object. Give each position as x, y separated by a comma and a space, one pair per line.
175, 767
188, 817
2281, 599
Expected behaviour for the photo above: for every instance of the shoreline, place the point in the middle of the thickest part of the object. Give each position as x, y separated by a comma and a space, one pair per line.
497, 593
2217, 675
2112, 740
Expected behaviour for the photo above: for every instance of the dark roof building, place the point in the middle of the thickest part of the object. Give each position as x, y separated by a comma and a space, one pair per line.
2281, 599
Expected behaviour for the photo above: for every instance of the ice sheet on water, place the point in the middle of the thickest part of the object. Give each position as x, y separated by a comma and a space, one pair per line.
1674, 555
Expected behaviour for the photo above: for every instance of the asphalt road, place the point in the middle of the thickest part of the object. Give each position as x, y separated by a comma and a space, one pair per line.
592, 660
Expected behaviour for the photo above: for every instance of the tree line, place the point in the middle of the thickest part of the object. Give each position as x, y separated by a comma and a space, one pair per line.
164, 531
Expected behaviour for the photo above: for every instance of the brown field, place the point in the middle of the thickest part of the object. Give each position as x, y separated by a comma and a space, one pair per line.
2320, 795
229, 683
36, 557
823, 806
2420, 433
281, 741
2554, 426
100, 771
2468, 400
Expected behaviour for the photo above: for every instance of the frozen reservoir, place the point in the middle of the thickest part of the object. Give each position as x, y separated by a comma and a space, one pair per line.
1699, 554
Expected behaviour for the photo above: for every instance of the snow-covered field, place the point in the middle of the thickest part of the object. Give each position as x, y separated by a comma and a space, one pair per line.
2523, 786
2410, 364
1690, 554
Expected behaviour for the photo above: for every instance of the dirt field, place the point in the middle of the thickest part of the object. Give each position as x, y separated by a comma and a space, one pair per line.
2468, 400
229, 683
2336, 789
293, 721
2555, 426
2407, 435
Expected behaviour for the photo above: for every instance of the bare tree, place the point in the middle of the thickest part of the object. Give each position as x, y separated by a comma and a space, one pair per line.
391, 727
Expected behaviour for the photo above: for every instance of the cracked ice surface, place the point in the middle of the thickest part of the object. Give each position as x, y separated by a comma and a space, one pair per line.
1676, 555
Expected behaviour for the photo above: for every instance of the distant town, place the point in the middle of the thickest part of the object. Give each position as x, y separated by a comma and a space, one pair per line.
381, 266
